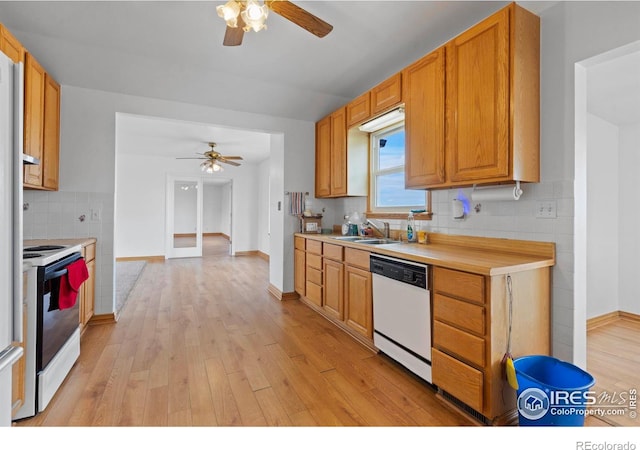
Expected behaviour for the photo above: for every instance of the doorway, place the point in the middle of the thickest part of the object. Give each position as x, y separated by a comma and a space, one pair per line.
607, 135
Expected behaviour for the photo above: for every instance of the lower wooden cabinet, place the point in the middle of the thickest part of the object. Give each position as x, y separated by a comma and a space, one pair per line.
86, 295
336, 284
358, 310
470, 331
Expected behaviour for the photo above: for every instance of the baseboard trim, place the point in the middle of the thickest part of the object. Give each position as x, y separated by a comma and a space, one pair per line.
257, 253
150, 259
103, 319
282, 296
607, 318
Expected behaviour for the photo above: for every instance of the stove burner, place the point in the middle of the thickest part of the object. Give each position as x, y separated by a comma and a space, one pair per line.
31, 255
45, 248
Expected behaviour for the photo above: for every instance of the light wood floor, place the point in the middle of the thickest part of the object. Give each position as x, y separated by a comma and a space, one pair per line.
613, 360
200, 342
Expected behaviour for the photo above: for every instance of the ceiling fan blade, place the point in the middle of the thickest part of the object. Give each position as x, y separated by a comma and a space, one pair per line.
233, 36
231, 157
300, 17
191, 158
233, 163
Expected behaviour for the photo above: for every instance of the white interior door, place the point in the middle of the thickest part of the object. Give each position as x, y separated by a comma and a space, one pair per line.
184, 217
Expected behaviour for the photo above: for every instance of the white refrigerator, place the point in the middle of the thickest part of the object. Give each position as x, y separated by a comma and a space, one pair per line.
11, 133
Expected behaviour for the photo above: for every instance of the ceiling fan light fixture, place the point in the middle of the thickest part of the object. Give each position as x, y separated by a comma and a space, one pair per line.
229, 12
254, 16
210, 166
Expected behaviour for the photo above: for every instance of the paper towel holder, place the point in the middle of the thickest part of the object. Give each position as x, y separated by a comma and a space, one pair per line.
497, 193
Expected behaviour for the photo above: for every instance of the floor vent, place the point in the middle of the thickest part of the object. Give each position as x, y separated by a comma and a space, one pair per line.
467, 409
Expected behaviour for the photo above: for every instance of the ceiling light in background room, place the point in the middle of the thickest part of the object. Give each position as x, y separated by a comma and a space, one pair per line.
390, 118
210, 166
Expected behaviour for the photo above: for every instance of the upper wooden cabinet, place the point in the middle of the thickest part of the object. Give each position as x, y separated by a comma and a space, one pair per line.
51, 133
10, 46
387, 94
493, 100
41, 126
33, 120
424, 91
376, 101
359, 110
341, 168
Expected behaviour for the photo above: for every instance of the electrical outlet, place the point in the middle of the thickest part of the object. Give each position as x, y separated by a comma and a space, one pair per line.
546, 209
95, 215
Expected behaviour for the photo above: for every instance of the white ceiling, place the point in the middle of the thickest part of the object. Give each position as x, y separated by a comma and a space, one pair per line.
173, 50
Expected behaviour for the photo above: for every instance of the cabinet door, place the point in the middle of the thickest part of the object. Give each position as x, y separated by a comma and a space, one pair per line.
299, 271
424, 121
387, 94
51, 135
10, 46
478, 101
323, 157
333, 292
358, 309
89, 292
339, 153
359, 110
33, 119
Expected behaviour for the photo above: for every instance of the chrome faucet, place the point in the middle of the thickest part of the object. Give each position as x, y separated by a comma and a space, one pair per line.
384, 233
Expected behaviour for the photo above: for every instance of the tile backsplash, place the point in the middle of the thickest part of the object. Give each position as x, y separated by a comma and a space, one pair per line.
60, 215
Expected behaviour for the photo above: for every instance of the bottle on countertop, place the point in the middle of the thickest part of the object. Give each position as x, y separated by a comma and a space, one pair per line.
411, 228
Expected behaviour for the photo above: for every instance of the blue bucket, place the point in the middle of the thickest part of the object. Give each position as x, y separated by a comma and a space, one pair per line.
551, 392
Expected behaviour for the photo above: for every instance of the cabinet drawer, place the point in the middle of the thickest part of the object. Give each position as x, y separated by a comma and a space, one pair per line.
314, 293
461, 343
459, 284
357, 258
314, 247
299, 243
90, 252
458, 379
314, 261
458, 313
332, 251
314, 275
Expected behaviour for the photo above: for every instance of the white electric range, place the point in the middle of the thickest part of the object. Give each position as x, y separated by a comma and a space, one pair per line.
52, 335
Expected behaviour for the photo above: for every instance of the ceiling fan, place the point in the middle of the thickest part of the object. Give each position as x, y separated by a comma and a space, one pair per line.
248, 15
213, 158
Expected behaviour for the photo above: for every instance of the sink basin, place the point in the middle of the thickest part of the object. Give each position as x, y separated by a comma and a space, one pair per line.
365, 240
377, 241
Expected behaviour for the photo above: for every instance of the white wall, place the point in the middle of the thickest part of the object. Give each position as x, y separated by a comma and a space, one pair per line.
211, 214
629, 219
226, 203
262, 211
602, 217
141, 203
88, 168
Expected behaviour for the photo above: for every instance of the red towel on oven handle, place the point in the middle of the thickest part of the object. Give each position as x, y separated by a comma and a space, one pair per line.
77, 273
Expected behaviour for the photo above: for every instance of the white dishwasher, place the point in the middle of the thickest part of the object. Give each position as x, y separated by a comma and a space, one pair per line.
402, 312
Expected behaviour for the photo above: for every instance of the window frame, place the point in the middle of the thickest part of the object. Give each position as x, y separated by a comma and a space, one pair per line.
396, 212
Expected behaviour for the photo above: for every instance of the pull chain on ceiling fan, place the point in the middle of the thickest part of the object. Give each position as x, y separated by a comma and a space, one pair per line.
242, 16
213, 159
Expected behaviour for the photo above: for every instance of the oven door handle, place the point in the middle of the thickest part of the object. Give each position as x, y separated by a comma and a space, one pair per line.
56, 274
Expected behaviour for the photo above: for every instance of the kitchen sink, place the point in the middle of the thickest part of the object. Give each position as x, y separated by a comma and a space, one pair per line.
365, 240
377, 241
